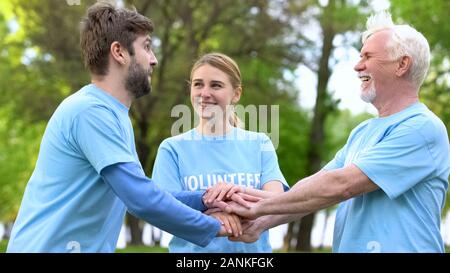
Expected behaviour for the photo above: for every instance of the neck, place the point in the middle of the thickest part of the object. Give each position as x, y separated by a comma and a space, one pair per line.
396, 99
214, 128
114, 86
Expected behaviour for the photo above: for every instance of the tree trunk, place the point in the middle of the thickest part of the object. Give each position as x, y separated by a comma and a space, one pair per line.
288, 237
135, 229
304, 234
321, 110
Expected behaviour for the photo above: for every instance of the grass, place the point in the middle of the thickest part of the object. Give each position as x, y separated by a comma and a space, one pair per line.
143, 249
130, 249
151, 249
3, 244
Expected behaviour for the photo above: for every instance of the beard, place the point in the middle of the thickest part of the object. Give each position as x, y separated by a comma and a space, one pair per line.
370, 95
137, 81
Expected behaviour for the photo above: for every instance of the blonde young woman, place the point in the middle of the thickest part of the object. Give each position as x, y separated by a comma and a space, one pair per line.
217, 150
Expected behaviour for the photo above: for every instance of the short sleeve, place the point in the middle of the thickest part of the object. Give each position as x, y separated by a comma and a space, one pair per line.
398, 162
338, 161
99, 136
270, 168
166, 170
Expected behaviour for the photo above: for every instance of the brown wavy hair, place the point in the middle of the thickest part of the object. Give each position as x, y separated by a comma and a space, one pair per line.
104, 24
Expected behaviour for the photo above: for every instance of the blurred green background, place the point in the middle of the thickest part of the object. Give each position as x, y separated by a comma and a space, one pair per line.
292, 53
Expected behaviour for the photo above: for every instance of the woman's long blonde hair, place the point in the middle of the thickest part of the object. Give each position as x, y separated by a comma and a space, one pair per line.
229, 67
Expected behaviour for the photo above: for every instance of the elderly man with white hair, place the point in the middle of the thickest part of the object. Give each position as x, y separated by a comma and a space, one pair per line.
391, 177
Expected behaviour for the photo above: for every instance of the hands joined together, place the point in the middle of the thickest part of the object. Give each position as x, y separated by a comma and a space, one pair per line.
236, 208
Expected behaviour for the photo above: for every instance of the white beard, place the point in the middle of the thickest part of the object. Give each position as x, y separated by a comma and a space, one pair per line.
370, 95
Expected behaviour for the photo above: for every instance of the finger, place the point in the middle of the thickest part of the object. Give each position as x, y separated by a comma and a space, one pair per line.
224, 191
249, 197
220, 204
227, 224
237, 222
238, 199
233, 190
219, 218
234, 225
211, 211
213, 193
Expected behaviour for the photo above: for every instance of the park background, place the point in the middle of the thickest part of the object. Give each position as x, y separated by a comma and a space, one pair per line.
298, 54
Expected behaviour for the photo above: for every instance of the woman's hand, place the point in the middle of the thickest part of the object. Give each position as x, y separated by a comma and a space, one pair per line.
231, 223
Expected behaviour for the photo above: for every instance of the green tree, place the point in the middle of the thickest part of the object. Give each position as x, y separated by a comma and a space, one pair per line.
45, 63
334, 18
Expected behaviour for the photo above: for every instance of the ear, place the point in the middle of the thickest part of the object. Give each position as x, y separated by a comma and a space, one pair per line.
119, 53
237, 95
403, 66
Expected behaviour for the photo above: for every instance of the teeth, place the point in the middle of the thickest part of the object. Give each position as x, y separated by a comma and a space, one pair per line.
364, 78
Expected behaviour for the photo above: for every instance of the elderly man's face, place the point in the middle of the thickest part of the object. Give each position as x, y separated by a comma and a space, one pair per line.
376, 69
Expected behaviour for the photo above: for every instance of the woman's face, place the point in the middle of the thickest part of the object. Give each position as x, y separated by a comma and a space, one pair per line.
212, 92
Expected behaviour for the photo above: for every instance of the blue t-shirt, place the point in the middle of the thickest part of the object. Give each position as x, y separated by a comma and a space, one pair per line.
67, 207
194, 162
407, 156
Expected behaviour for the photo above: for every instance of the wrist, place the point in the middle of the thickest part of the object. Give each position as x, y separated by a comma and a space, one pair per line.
204, 203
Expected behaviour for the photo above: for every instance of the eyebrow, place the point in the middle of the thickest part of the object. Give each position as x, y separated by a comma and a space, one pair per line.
148, 39
365, 53
217, 82
213, 81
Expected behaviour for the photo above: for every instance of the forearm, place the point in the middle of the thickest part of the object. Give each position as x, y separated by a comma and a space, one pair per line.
270, 221
259, 193
192, 199
146, 201
321, 190
318, 191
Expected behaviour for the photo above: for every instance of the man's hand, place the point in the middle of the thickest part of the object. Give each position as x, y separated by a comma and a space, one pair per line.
231, 223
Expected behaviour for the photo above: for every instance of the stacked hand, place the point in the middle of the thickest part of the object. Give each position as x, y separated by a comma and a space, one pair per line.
234, 206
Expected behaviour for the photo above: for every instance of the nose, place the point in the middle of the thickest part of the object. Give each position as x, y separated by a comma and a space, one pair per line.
153, 60
359, 66
205, 92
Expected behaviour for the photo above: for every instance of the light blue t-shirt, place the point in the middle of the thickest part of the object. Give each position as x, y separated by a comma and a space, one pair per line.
66, 178
194, 162
67, 206
407, 156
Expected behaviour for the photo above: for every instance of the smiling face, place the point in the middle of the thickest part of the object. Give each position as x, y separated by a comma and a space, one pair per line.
212, 92
376, 69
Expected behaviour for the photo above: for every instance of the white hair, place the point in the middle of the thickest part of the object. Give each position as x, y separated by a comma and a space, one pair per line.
405, 41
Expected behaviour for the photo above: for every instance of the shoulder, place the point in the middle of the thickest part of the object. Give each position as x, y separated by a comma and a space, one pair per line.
82, 103
174, 141
360, 127
254, 138
425, 124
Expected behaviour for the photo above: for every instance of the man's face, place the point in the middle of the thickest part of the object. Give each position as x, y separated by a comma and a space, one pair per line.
137, 80
376, 69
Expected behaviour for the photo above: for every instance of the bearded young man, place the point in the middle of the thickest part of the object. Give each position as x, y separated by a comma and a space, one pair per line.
88, 173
